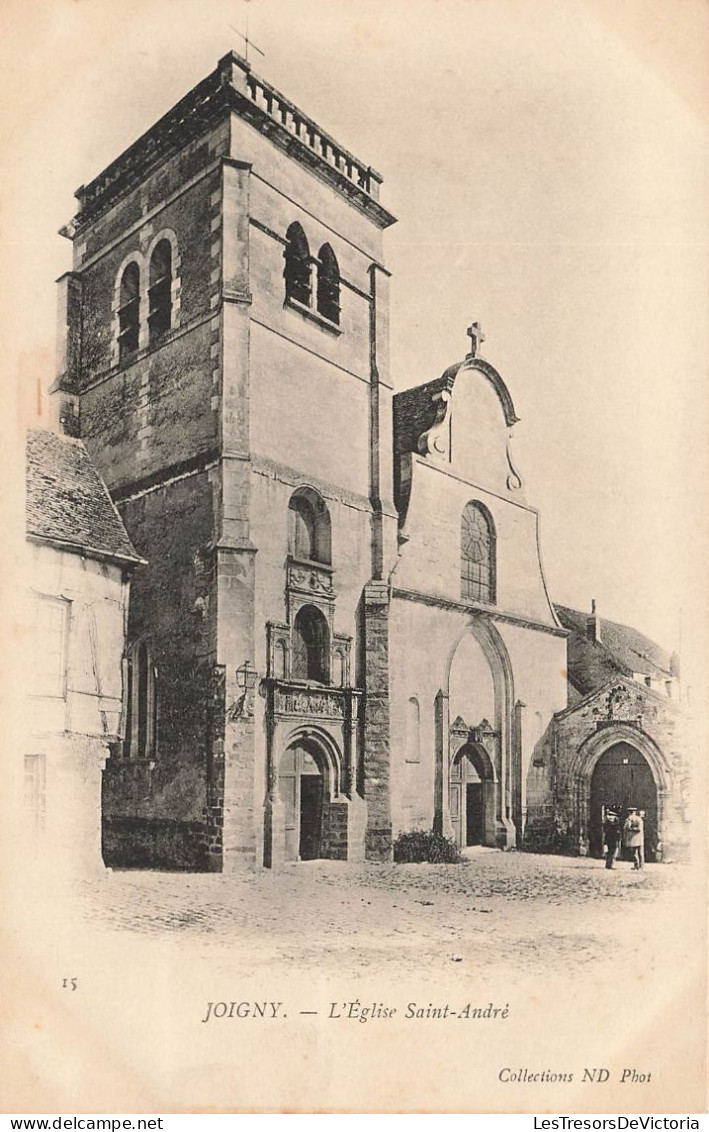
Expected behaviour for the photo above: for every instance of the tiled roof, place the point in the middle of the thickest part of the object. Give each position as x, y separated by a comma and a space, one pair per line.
67, 502
621, 651
415, 411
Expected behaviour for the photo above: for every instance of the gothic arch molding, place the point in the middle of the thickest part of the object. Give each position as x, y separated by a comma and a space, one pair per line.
477, 749
583, 762
506, 758
584, 759
497, 656
327, 747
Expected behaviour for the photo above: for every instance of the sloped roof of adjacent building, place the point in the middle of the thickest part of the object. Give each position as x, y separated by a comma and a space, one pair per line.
67, 502
621, 651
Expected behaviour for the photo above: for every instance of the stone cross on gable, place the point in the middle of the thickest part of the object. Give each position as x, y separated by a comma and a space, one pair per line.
476, 336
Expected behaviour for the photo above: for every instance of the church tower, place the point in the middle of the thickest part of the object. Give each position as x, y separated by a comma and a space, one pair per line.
224, 357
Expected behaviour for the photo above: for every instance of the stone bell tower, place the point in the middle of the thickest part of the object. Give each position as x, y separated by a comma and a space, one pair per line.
224, 356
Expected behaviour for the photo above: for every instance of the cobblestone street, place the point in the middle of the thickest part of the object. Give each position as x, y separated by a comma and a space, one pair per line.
584, 967
510, 910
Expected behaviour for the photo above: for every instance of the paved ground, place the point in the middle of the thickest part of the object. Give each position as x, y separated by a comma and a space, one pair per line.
594, 968
510, 910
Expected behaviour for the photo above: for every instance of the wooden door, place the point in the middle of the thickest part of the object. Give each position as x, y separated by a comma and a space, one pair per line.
456, 809
288, 790
474, 813
622, 778
310, 816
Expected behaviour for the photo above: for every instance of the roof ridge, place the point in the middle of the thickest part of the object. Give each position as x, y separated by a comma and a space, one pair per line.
67, 501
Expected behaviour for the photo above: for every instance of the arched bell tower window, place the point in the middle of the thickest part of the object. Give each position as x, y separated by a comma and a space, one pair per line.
297, 269
311, 645
328, 284
129, 312
477, 554
160, 291
309, 527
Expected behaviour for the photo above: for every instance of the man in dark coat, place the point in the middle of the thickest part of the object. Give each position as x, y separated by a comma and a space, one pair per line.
611, 836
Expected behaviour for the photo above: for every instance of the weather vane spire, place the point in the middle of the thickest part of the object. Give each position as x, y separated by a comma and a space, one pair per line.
245, 35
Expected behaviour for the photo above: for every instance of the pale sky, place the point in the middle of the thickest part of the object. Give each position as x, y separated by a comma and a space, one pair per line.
547, 161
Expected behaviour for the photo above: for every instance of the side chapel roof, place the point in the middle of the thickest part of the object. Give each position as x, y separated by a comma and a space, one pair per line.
67, 503
620, 651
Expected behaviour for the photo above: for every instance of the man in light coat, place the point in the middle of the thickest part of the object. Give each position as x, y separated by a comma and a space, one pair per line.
634, 836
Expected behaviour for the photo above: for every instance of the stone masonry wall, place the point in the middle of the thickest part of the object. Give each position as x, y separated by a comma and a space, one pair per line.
158, 411
652, 716
172, 608
377, 752
334, 836
152, 427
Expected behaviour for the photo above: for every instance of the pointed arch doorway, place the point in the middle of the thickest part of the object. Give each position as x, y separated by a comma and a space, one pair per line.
473, 798
478, 684
622, 777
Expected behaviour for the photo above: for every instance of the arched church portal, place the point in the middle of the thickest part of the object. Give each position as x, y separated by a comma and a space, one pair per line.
304, 790
622, 777
472, 798
478, 696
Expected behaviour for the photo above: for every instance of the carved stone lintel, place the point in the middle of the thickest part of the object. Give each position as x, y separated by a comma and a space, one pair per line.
324, 704
316, 581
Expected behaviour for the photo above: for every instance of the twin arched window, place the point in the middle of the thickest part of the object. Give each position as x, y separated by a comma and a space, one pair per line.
297, 269
160, 291
160, 276
328, 284
129, 312
298, 275
477, 554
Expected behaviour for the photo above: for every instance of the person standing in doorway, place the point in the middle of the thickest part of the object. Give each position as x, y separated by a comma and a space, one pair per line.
611, 836
633, 836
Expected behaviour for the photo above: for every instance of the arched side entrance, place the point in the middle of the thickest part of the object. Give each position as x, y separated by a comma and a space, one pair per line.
473, 798
309, 816
643, 781
302, 786
622, 778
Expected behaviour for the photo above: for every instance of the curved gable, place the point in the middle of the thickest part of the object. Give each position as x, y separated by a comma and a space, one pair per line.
496, 381
481, 416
